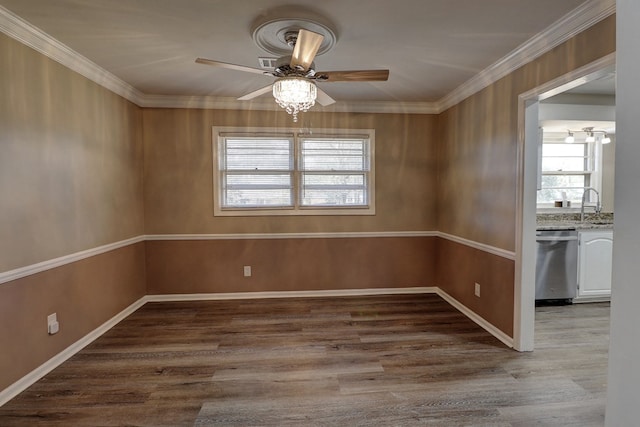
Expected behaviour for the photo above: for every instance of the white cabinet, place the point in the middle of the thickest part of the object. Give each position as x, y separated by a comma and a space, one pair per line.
595, 252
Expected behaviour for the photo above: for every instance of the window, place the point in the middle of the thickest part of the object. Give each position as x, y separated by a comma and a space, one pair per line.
261, 172
568, 168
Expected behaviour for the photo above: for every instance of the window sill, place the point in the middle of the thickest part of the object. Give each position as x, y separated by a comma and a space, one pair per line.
296, 212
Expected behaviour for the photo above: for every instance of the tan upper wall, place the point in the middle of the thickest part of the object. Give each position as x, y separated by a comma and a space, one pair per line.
478, 143
70, 161
178, 172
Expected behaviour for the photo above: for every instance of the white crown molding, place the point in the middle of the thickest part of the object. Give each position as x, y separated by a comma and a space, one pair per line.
268, 104
18, 273
27, 34
568, 26
573, 23
204, 102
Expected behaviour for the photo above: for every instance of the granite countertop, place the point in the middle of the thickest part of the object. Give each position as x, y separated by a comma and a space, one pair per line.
570, 221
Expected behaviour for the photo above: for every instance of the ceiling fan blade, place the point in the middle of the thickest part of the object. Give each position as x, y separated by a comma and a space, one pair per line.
231, 66
324, 99
256, 93
354, 76
305, 49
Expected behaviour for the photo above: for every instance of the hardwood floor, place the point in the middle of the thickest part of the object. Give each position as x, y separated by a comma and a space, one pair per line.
401, 360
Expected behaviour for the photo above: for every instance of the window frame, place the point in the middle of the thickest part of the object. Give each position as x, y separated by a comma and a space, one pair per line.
592, 170
297, 135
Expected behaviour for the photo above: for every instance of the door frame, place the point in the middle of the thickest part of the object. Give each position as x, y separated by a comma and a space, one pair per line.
526, 173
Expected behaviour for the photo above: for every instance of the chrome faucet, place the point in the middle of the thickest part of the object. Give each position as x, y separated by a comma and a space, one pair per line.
597, 207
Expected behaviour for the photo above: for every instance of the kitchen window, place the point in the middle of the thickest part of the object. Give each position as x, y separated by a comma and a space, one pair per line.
568, 168
290, 172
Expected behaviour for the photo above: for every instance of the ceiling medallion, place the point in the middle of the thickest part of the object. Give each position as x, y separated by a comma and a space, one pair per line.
272, 35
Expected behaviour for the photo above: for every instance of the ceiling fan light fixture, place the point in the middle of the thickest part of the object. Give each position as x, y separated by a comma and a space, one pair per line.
295, 94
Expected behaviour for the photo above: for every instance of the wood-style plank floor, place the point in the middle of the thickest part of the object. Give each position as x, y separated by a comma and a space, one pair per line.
394, 360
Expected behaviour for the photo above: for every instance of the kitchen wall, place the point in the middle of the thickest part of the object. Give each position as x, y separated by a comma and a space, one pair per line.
478, 169
70, 180
580, 110
179, 200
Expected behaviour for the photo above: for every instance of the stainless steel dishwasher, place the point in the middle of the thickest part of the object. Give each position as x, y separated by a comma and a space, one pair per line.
556, 265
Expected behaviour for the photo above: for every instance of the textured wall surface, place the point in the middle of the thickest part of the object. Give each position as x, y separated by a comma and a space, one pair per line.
74, 157
478, 143
70, 161
203, 266
179, 172
478, 174
83, 294
70, 180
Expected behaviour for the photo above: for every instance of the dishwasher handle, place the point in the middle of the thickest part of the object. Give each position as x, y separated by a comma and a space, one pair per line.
555, 238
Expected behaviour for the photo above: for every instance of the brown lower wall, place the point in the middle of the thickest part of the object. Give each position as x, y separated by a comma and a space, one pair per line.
84, 294
460, 266
213, 266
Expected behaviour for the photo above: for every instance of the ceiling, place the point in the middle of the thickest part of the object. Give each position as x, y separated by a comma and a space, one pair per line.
431, 47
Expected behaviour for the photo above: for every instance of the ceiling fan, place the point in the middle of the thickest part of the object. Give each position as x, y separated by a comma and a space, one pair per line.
295, 89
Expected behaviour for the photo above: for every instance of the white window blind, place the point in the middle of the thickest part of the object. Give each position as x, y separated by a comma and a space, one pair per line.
260, 172
334, 171
256, 171
568, 168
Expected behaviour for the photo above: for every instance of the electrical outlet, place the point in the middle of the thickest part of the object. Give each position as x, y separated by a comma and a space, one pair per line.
247, 271
52, 324
476, 291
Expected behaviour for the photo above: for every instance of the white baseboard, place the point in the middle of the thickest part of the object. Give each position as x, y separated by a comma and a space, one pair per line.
291, 294
23, 383
506, 339
29, 379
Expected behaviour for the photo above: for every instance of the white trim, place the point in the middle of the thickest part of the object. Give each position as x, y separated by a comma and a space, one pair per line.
581, 18
585, 74
480, 246
576, 21
28, 270
29, 35
506, 339
523, 327
265, 104
32, 377
337, 235
259, 236
23, 383
295, 137
291, 294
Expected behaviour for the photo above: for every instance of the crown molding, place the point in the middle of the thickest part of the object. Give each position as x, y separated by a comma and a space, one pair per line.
573, 23
265, 104
29, 35
581, 18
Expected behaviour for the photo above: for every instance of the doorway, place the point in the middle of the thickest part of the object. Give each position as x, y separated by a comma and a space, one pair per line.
528, 163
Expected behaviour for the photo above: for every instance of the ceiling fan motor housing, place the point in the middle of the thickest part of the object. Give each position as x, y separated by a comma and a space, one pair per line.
284, 69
